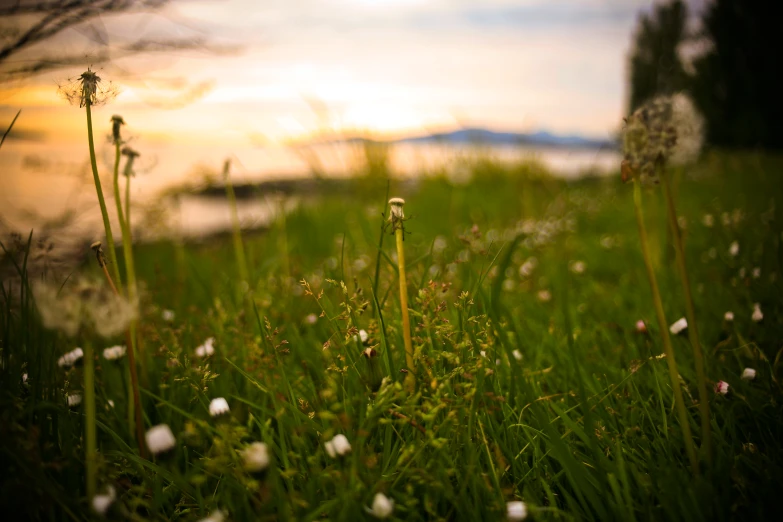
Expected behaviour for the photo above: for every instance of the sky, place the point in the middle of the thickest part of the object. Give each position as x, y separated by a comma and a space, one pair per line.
382, 67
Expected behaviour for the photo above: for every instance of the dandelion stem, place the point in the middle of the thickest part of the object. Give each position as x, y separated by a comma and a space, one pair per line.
130, 275
101, 201
239, 249
693, 332
410, 380
674, 374
91, 451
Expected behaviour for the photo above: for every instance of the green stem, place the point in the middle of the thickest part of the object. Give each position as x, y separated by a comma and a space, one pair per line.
410, 380
674, 374
134, 400
239, 249
99, 190
91, 451
693, 331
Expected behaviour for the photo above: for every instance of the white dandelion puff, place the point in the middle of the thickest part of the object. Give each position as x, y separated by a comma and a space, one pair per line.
70, 358
206, 349
748, 374
255, 457
516, 510
678, 326
160, 439
218, 407
114, 353
382, 506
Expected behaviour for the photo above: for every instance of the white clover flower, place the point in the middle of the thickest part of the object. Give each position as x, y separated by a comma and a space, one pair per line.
708, 220
70, 358
160, 439
114, 353
722, 387
728, 316
168, 315
748, 374
678, 326
578, 267
218, 406
311, 319
641, 327
338, 446
206, 349
382, 506
102, 503
516, 510
734, 249
756, 273
758, 315
544, 296
215, 516
363, 336
74, 400
517, 355
255, 457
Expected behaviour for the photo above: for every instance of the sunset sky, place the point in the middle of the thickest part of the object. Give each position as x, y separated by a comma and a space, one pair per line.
384, 66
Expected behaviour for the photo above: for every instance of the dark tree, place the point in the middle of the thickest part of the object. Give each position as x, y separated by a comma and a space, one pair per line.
655, 64
737, 81
28, 28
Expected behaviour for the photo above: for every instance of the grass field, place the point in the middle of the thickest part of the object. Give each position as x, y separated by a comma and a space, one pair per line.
532, 381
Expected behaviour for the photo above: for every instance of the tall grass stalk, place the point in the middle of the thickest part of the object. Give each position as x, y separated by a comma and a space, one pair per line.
90, 438
239, 249
674, 374
397, 220
693, 331
101, 201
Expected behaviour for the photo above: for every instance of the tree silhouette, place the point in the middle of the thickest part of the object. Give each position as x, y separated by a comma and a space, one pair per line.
734, 84
655, 64
29, 24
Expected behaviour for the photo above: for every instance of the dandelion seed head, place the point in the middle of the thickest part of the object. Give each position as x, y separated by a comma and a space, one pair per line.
338, 446
101, 503
88, 88
74, 400
70, 358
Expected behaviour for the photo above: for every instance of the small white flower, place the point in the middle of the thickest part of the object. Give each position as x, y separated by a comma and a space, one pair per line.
168, 315
160, 439
544, 296
206, 349
24, 378
382, 506
483, 353
517, 355
748, 374
728, 316
74, 400
678, 326
114, 353
70, 358
528, 266
110, 403
734, 249
311, 319
516, 510
218, 406
707, 220
102, 503
363, 336
338, 446
758, 315
578, 267
722, 387
756, 273
215, 516
255, 457
641, 327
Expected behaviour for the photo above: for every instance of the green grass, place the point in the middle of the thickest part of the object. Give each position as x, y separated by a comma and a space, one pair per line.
581, 428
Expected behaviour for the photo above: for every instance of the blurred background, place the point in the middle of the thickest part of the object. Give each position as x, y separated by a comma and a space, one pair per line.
305, 90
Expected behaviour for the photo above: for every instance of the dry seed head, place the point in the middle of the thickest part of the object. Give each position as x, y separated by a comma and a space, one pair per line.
96, 246
116, 123
88, 88
666, 129
130, 156
396, 215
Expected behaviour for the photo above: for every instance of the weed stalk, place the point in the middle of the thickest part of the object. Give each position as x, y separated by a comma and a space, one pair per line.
397, 219
674, 374
693, 331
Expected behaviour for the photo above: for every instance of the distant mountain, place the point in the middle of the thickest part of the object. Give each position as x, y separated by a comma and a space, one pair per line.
488, 137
